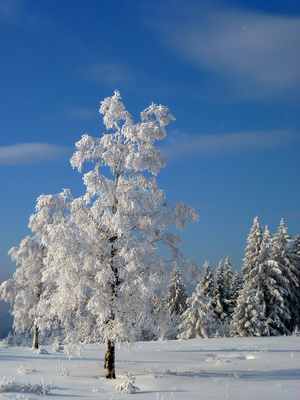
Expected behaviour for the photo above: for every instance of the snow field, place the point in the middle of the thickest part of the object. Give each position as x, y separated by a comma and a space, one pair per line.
225, 368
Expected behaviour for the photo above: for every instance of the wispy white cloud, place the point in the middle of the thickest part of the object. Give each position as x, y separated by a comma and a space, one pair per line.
122, 76
181, 146
256, 54
108, 74
10, 10
32, 153
23, 14
79, 113
291, 215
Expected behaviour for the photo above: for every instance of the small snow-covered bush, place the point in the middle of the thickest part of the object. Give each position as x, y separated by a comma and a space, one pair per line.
127, 387
4, 343
7, 385
57, 346
41, 351
296, 332
25, 370
10, 385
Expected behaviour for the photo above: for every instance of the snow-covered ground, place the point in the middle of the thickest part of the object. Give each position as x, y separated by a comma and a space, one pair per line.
239, 368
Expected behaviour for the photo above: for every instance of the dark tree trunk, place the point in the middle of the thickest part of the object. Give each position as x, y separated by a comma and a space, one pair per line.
109, 364
35, 343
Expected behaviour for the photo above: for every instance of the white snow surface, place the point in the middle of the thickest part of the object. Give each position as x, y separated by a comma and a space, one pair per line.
260, 368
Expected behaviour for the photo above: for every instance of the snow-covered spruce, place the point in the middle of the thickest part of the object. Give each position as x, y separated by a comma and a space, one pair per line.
282, 260
175, 302
177, 295
219, 297
249, 314
269, 297
199, 320
229, 301
293, 272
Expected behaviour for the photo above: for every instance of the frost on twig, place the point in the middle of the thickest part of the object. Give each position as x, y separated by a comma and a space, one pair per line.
64, 370
127, 387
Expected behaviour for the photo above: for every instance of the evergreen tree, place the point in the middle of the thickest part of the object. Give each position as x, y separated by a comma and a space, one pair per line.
208, 281
248, 318
177, 295
253, 248
198, 320
284, 276
175, 303
162, 326
219, 297
263, 277
293, 254
249, 314
228, 290
228, 276
235, 288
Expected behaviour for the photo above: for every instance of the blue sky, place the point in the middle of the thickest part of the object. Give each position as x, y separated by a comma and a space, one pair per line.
227, 70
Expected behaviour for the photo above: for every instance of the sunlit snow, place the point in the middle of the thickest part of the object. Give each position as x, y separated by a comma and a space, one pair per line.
264, 368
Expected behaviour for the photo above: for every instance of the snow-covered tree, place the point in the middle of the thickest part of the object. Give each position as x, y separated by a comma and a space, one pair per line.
228, 290
235, 288
227, 276
25, 289
249, 314
263, 278
198, 321
162, 328
177, 295
208, 281
293, 275
220, 294
104, 247
284, 276
248, 318
258, 281
175, 302
253, 248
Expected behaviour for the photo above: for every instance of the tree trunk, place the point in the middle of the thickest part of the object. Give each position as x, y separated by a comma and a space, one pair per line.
109, 364
35, 343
